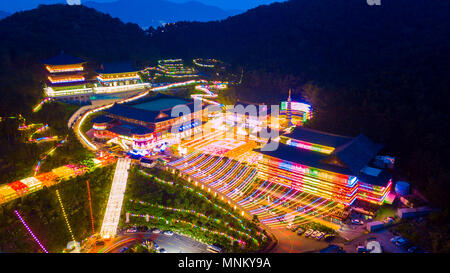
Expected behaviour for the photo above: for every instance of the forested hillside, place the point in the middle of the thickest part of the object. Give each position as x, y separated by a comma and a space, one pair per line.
383, 71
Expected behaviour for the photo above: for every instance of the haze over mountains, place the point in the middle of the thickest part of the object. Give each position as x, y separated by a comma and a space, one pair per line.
242, 5
151, 12
3, 14
157, 12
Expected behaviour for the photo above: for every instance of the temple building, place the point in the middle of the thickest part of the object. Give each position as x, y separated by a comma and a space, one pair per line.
144, 123
65, 76
118, 74
334, 167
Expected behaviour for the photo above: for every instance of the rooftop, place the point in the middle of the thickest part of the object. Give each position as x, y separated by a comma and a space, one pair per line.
357, 153
160, 104
128, 129
150, 109
63, 59
318, 137
101, 119
119, 67
306, 158
351, 158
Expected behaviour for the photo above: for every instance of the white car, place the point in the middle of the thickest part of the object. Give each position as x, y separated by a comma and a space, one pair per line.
315, 234
308, 232
168, 232
357, 222
131, 230
320, 236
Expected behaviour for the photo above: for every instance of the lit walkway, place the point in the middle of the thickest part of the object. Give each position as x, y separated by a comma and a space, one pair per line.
114, 207
275, 205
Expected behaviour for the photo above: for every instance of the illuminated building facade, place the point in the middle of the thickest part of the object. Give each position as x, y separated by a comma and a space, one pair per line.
65, 75
296, 112
334, 167
118, 74
247, 119
142, 123
135, 136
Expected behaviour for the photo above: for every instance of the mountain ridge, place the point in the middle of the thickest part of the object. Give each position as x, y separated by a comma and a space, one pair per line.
4, 14
156, 12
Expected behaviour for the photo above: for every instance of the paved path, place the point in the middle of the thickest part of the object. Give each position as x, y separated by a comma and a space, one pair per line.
114, 207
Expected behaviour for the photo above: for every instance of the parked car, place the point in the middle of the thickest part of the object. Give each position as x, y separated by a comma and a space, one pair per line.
401, 241
155, 230
300, 231
406, 246
315, 233
123, 249
308, 232
394, 239
357, 222
361, 249
332, 249
131, 230
329, 237
168, 232
320, 236
412, 249
155, 245
162, 250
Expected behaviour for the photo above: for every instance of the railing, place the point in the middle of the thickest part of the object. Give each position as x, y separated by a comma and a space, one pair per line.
95, 90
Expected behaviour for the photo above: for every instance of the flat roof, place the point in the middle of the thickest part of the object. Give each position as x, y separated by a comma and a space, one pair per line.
305, 157
160, 104
382, 179
146, 109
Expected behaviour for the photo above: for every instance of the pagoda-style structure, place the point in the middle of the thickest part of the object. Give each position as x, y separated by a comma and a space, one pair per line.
296, 112
66, 75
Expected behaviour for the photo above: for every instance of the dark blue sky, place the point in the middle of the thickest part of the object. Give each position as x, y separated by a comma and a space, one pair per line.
16, 5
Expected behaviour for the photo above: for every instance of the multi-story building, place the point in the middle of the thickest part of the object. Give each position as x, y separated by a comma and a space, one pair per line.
144, 122
334, 167
65, 76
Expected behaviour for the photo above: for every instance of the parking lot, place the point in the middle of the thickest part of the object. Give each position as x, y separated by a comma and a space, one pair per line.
175, 243
383, 237
179, 244
291, 242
